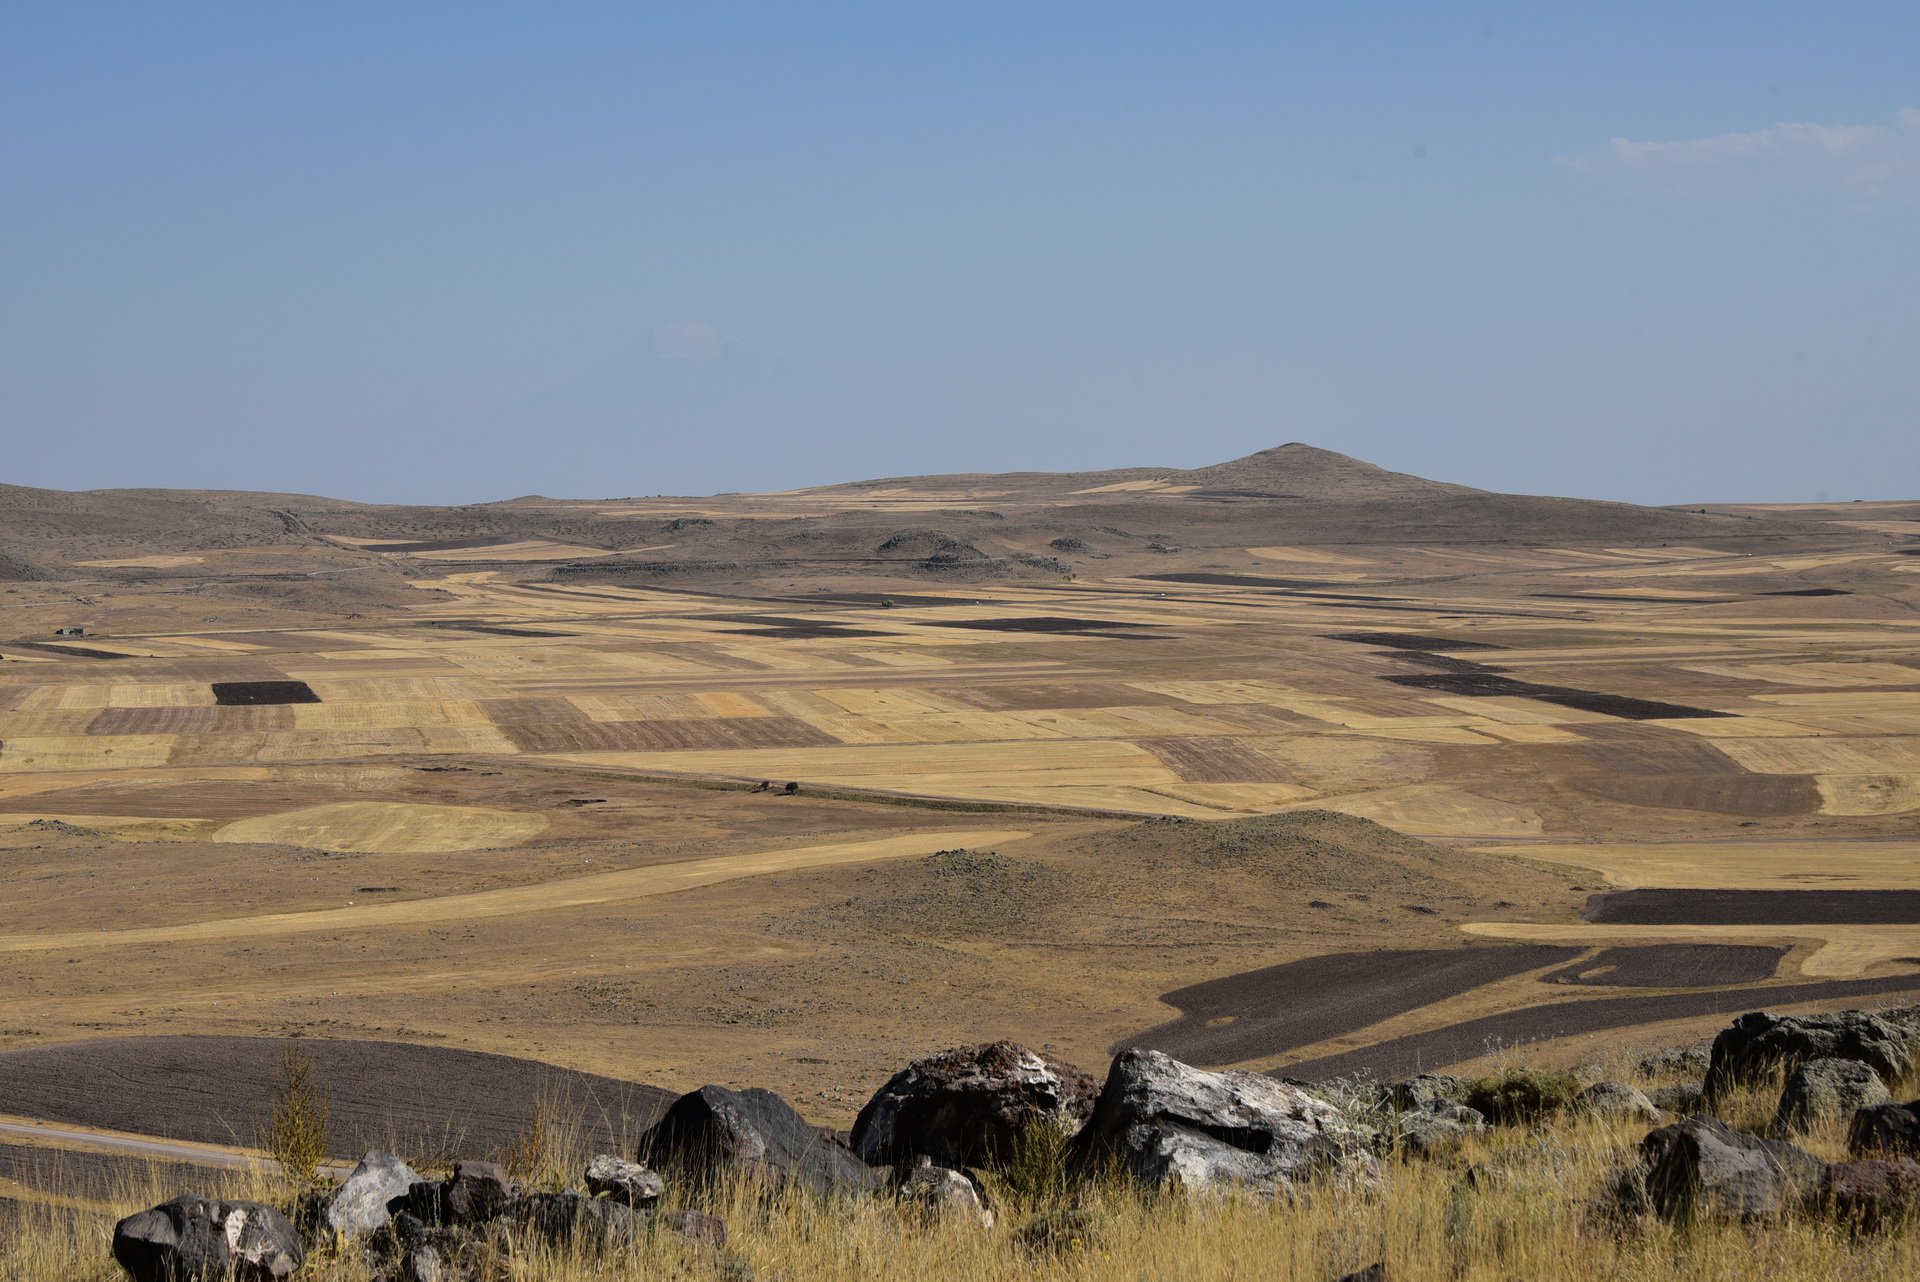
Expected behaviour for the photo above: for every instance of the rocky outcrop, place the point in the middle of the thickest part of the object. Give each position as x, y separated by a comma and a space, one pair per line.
1885, 1130
1758, 1044
1169, 1124
1686, 1099
713, 1132
196, 1239
360, 1204
1618, 1100
1703, 1168
1423, 1091
628, 1183
477, 1194
970, 1106
1827, 1088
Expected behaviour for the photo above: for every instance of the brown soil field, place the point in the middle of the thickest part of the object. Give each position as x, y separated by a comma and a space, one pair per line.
1672, 966
1478, 1038
1130, 733
220, 1090
1264, 1013
1754, 907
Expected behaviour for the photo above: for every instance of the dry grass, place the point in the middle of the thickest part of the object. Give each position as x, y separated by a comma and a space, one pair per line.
1516, 1206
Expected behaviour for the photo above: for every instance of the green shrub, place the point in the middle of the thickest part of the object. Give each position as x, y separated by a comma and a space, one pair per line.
1520, 1096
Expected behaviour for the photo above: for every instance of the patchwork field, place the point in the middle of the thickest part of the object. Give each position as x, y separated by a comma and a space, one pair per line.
516, 790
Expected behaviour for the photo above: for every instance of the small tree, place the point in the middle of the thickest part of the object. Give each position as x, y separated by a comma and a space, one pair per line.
296, 1136
792, 789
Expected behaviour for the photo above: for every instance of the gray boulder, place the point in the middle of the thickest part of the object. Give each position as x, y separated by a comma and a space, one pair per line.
1888, 1130
1436, 1128
560, 1219
197, 1239
1688, 1099
713, 1131
1758, 1044
1873, 1194
1826, 1088
1423, 1091
1170, 1124
627, 1183
941, 1192
1704, 1169
970, 1106
477, 1194
360, 1204
697, 1226
1617, 1099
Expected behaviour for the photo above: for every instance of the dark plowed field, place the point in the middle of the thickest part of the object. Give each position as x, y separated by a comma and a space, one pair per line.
1672, 966
1215, 759
1277, 1008
1756, 796
218, 1090
667, 736
1040, 623
239, 694
90, 1175
1754, 907
1423, 1052
1409, 641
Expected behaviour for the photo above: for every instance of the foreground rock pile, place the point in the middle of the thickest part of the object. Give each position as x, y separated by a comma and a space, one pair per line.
928, 1135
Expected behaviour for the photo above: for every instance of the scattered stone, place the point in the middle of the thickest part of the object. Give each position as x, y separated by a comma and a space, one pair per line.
360, 1206
1688, 1099
712, 1131
424, 1201
1424, 1090
1871, 1194
1171, 1124
1437, 1127
1759, 1043
697, 1226
1824, 1088
1703, 1168
1617, 1099
477, 1194
941, 1191
1889, 1129
970, 1106
563, 1218
1667, 1061
196, 1239
627, 1183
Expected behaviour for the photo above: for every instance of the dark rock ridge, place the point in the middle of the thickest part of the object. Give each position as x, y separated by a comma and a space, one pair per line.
713, 1132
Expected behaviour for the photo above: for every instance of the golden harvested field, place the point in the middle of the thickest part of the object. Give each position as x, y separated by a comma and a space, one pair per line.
483, 802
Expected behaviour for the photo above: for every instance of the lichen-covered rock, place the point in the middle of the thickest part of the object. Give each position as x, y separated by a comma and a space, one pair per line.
1703, 1168
1170, 1124
1885, 1130
970, 1106
697, 1226
197, 1239
1759, 1043
360, 1204
1617, 1099
1423, 1091
1826, 1088
709, 1133
627, 1183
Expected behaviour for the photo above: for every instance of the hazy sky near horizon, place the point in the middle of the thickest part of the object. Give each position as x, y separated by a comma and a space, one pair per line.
454, 252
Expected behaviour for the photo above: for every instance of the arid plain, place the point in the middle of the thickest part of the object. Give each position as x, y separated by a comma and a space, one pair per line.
1080, 760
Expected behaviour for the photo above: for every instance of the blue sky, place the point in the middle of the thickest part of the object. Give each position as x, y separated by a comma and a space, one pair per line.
458, 252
